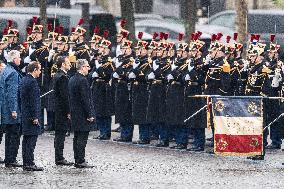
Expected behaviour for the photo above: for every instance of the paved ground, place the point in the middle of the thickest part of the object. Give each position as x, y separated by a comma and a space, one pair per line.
132, 166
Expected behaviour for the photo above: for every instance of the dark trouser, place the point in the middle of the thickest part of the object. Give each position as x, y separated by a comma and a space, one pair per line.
163, 131
126, 131
42, 120
1, 132
59, 144
12, 142
181, 134
274, 135
104, 125
198, 137
79, 145
154, 131
144, 132
50, 120
28, 147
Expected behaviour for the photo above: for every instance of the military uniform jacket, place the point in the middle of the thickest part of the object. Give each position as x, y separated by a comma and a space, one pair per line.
102, 90
156, 112
123, 110
60, 86
81, 104
140, 92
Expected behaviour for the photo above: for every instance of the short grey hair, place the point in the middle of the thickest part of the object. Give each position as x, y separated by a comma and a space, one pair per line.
13, 54
80, 63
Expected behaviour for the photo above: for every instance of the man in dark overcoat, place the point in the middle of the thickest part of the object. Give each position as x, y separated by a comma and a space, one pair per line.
82, 111
30, 106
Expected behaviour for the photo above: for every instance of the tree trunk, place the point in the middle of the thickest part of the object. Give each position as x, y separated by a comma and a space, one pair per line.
241, 20
43, 16
189, 14
86, 17
127, 12
255, 4
145, 6
65, 4
2, 3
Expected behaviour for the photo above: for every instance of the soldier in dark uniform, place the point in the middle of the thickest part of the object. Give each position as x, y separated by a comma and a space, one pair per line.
273, 108
81, 49
194, 81
140, 91
259, 84
101, 90
156, 112
123, 93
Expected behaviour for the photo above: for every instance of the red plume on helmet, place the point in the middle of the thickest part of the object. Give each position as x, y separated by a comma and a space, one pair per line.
219, 36
213, 37
49, 27
180, 36
106, 32
155, 35
81, 21
140, 35
5, 31
73, 29
161, 35
29, 30
235, 36
192, 36
272, 37
228, 38
199, 33
122, 23
257, 37
35, 19
166, 36
96, 30
125, 34
60, 29
9, 23
252, 37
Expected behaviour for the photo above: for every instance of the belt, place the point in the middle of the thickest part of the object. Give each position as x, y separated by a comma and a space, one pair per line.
121, 81
192, 83
158, 81
100, 80
176, 83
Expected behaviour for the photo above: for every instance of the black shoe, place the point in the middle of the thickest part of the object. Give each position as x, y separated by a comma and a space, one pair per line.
273, 147
32, 168
63, 162
117, 130
122, 140
162, 144
14, 164
196, 149
101, 137
142, 142
83, 165
154, 137
179, 146
1, 161
259, 157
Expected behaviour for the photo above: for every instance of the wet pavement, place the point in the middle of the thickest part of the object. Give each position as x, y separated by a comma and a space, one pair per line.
119, 165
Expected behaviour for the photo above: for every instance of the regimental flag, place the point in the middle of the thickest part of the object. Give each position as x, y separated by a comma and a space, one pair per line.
238, 126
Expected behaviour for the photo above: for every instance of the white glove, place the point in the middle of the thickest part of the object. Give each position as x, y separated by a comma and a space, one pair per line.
6, 56
132, 75
27, 60
95, 75
151, 75
117, 63
31, 50
173, 67
51, 53
135, 65
115, 75
189, 67
187, 77
207, 59
97, 64
170, 77
155, 66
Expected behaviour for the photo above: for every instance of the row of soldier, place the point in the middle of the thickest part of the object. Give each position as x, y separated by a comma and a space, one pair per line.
152, 84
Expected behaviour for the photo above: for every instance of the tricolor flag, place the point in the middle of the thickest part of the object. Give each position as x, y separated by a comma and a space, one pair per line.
238, 124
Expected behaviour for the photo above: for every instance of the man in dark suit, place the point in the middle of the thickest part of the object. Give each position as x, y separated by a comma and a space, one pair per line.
62, 110
30, 106
82, 111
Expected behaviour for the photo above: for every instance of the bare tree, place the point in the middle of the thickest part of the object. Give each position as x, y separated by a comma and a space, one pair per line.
241, 19
189, 14
43, 16
127, 12
2, 3
86, 17
255, 4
